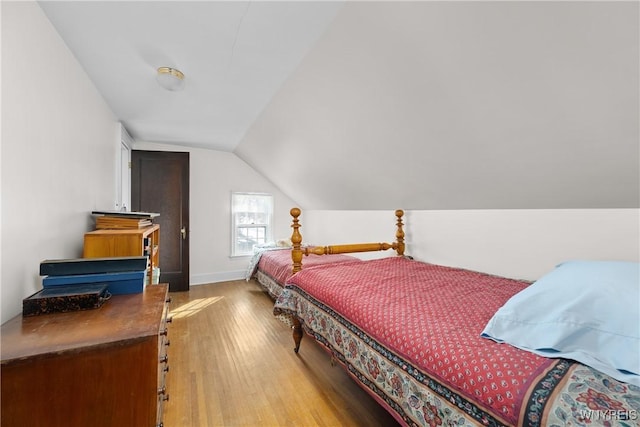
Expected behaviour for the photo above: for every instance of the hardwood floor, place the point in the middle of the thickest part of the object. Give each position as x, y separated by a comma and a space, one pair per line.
232, 364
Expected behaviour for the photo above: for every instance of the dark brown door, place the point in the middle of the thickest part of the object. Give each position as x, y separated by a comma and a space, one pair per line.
160, 183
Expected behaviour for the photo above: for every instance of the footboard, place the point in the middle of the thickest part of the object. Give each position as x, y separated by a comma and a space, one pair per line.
298, 251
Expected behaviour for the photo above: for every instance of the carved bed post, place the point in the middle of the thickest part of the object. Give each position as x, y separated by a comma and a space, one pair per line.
297, 332
399, 233
296, 257
296, 239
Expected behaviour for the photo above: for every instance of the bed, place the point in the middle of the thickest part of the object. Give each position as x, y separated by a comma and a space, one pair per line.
271, 264
417, 337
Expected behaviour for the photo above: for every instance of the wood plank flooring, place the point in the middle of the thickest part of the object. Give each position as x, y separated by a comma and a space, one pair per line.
232, 364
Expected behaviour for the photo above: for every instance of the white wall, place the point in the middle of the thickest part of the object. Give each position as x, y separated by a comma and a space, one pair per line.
58, 155
521, 244
213, 176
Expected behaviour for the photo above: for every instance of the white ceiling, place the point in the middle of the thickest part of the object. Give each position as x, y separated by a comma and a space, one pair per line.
235, 56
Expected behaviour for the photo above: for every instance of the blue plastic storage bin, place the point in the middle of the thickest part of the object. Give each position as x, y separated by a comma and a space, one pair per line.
130, 282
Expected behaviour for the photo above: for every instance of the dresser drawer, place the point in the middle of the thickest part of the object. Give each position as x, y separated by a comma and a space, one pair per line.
163, 361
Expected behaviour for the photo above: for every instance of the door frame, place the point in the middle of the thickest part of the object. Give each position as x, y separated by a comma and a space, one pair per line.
178, 280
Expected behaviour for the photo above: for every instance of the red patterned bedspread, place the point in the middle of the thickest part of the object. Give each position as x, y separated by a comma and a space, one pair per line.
410, 333
278, 264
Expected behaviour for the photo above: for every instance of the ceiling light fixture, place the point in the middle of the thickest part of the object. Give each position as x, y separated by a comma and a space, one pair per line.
170, 78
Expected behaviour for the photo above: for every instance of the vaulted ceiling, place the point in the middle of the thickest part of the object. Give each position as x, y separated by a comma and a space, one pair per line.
234, 54
379, 105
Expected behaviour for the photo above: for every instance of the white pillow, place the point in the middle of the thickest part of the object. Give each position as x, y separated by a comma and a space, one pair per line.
587, 311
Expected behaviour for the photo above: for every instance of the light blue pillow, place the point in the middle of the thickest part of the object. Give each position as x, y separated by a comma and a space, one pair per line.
587, 311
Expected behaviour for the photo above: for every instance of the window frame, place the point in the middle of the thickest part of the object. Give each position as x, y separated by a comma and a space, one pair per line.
268, 226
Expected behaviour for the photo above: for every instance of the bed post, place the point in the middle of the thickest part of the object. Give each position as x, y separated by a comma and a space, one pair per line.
296, 257
297, 332
296, 239
399, 233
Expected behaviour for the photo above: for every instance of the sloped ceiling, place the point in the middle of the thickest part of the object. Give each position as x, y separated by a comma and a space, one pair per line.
235, 56
460, 105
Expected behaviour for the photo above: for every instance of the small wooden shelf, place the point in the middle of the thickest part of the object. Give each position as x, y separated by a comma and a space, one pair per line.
125, 242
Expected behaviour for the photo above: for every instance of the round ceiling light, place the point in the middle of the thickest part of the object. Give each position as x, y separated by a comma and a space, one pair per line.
170, 78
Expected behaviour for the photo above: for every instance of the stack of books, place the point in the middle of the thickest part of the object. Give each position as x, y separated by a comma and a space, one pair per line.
84, 283
116, 220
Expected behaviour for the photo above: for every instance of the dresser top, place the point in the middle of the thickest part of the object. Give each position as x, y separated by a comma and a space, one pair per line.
121, 318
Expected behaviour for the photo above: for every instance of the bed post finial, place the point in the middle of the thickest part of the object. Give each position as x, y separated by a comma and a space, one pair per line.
296, 239
399, 233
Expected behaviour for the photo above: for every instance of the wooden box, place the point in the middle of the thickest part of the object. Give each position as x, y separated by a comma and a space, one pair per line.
61, 299
67, 267
127, 282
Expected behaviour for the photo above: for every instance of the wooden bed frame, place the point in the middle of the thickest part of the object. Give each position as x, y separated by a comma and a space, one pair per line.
298, 251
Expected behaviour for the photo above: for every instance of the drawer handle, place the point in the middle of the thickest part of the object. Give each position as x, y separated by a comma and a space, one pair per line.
165, 397
168, 300
166, 368
164, 359
164, 332
169, 319
167, 343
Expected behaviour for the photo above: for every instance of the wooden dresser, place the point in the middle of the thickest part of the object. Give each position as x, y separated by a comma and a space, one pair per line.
101, 367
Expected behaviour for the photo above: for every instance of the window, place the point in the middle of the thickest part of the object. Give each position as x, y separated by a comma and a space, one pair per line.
251, 221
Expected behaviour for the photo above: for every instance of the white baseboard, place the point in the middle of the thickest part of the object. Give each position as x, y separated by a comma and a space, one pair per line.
225, 276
